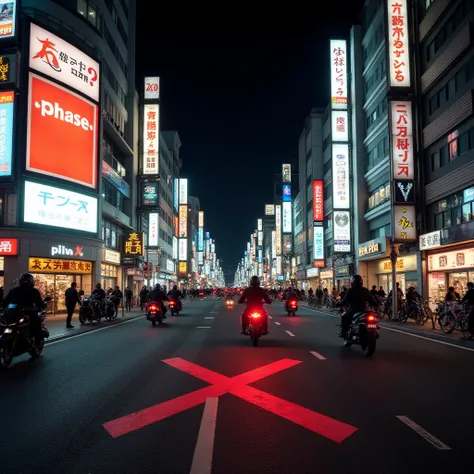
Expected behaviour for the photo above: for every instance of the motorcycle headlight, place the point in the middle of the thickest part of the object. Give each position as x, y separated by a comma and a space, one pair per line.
7, 331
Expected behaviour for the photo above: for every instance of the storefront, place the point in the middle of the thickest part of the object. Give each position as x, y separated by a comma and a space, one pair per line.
110, 269
449, 268
326, 279
138, 280
344, 273
312, 275
8, 249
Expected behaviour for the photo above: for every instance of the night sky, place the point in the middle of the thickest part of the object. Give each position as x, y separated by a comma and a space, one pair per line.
238, 94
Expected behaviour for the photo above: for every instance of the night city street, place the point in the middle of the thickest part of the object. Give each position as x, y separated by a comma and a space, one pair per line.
57, 406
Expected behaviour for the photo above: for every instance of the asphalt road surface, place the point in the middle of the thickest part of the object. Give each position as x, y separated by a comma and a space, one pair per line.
302, 404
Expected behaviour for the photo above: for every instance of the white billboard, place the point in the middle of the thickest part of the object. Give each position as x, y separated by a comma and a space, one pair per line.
175, 248
51, 55
339, 126
338, 55
183, 191
287, 220
58, 207
201, 219
274, 244
340, 176
398, 44
318, 242
403, 162
152, 88
153, 229
183, 249
151, 138
278, 228
342, 231
286, 173
269, 210
260, 224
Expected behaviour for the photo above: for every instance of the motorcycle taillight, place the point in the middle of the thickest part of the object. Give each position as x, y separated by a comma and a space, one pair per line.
152, 308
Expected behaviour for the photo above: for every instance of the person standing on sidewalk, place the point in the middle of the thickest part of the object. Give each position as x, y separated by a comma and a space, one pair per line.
72, 298
128, 299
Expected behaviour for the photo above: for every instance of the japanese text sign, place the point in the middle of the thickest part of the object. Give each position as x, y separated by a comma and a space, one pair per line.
340, 176
398, 43
318, 242
6, 132
151, 138
62, 133
183, 191
431, 240
183, 220
338, 56
134, 244
50, 265
404, 223
62, 61
339, 126
286, 173
152, 88
318, 200
402, 140
8, 68
8, 246
269, 210
8, 18
259, 224
287, 217
183, 250
201, 219
182, 268
57, 207
154, 227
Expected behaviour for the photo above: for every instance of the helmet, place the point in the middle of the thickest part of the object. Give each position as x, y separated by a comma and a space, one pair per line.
357, 280
98, 286
255, 281
157, 286
27, 279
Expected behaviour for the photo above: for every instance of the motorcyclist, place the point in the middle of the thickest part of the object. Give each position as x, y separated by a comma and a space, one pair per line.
175, 295
253, 295
412, 297
28, 300
98, 293
157, 295
356, 300
289, 296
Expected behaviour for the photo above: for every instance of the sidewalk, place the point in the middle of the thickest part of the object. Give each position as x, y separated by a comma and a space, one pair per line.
57, 324
412, 328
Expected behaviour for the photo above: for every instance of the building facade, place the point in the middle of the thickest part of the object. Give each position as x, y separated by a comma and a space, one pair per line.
67, 216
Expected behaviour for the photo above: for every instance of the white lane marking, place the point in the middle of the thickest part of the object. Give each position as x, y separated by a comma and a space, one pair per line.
424, 434
209, 317
92, 331
277, 323
317, 355
271, 317
419, 336
290, 333
202, 459
203, 327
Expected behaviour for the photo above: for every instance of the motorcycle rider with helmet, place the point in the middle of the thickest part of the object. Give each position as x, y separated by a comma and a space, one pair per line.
356, 300
253, 295
175, 295
28, 298
158, 296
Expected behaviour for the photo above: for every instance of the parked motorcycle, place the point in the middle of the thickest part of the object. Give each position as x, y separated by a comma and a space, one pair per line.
111, 307
175, 307
154, 313
91, 309
15, 334
257, 326
291, 307
363, 331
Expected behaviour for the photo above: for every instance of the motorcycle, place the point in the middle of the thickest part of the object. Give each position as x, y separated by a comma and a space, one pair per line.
175, 307
229, 303
15, 337
256, 327
91, 310
110, 307
154, 313
363, 331
291, 307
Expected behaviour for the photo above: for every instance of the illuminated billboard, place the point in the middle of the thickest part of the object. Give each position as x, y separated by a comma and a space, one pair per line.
201, 219
338, 55
339, 126
287, 218
152, 88
7, 106
286, 173
151, 139
62, 132
340, 176
183, 220
153, 229
183, 191
318, 200
342, 231
398, 44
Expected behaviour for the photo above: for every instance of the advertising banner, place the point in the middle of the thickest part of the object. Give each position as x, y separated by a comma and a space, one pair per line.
62, 133
183, 220
338, 56
318, 200
57, 207
398, 43
287, 219
7, 104
112, 177
7, 18
339, 126
318, 244
286, 173
183, 249
183, 191
56, 58
342, 231
151, 139
150, 194
286, 192
153, 229
152, 88
340, 176
269, 209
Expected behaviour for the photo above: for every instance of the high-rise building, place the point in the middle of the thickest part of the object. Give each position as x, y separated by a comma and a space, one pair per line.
69, 188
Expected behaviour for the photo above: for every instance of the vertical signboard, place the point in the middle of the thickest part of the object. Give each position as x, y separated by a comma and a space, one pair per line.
287, 226
339, 126
318, 227
340, 176
398, 44
7, 99
151, 138
269, 210
153, 230
152, 88
183, 220
286, 173
318, 200
278, 228
201, 219
338, 74
183, 191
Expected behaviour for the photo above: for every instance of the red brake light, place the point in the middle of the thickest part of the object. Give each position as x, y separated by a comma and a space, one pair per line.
153, 308
293, 303
370, 318
255, 315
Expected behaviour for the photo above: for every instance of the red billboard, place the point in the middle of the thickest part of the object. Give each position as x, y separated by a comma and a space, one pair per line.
62, 133
8, 246
318, 200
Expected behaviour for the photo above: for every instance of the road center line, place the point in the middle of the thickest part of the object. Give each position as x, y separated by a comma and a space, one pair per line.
202, 459
424, 434
290, 333
209, 317
317, 355
271, 317
277, 323
203, 327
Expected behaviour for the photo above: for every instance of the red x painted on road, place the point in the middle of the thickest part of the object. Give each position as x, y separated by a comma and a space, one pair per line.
330, 428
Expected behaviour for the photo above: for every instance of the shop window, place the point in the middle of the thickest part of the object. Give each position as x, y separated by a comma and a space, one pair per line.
439, 221
466, 212
447, 218
457, 215
453, 145
435, 161
463, 143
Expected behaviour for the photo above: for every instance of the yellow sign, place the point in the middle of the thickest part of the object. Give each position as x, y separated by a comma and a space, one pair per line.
182, 269
134, 244
4, 69
54, 265
183, 220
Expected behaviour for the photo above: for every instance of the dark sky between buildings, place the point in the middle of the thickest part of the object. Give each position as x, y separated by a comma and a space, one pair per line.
238, 87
